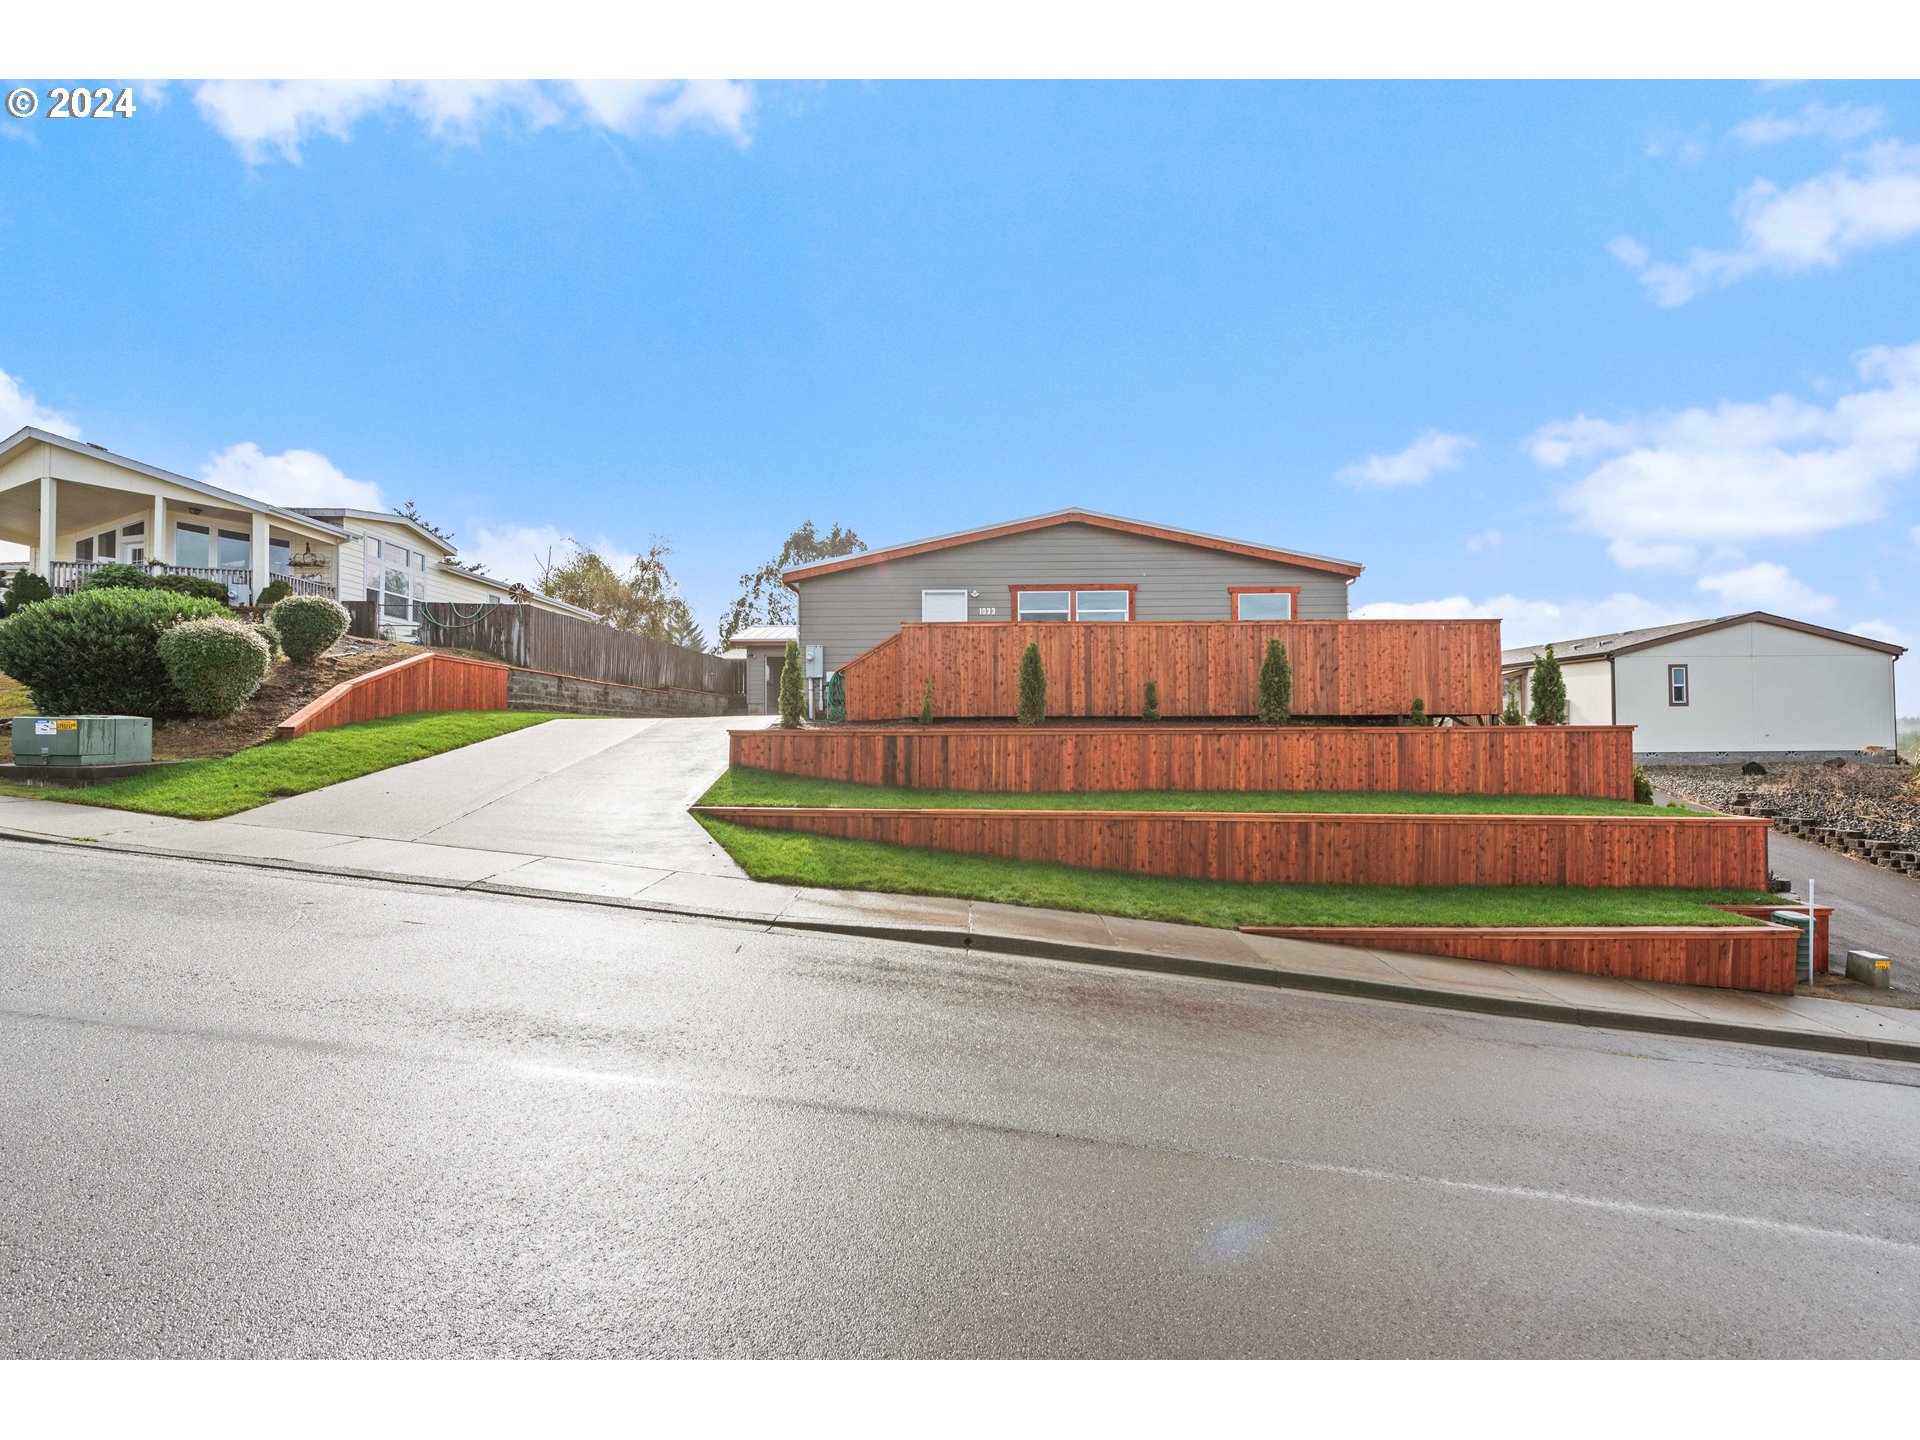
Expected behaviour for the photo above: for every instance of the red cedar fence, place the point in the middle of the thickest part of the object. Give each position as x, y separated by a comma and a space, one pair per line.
1202, 668
423, 682
1446, 760
1748, 957
1601, 851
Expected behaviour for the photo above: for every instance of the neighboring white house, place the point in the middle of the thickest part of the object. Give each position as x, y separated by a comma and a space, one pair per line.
1751, 686
77, 506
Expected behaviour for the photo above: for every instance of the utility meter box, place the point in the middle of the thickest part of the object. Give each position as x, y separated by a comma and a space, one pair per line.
82, 740
815, 659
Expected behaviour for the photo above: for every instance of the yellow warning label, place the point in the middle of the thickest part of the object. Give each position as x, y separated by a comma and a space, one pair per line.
67, 724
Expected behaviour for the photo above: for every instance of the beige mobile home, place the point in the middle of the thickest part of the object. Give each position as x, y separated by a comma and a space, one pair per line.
1742, 687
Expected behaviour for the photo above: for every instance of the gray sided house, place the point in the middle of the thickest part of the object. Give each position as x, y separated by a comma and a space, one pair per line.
1070, 565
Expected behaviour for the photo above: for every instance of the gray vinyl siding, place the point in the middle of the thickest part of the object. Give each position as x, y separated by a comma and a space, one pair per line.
856, 609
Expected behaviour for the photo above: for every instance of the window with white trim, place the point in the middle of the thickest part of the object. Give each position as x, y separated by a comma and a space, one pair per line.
1044, 605
1084, 605
1677, 686
1263, 605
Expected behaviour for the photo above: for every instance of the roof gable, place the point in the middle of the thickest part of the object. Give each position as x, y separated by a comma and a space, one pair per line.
1346, 568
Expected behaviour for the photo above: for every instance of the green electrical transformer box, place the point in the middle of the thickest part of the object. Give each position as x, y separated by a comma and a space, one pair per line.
82, 740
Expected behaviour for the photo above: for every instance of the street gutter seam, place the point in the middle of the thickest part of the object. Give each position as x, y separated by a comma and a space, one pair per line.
1835, 1043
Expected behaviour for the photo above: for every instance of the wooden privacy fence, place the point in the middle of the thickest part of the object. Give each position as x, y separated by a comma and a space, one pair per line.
428, 681
1446, 760
1726, 957
1202, 667
563, 645
1599, 851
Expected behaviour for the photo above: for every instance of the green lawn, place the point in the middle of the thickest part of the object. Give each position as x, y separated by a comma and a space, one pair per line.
744, 786
836, 864
209, 789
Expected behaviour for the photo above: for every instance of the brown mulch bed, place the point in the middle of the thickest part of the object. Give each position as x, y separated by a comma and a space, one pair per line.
1883, 800
287, 688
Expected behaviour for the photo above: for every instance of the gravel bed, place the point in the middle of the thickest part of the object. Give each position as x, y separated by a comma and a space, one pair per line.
1883, 800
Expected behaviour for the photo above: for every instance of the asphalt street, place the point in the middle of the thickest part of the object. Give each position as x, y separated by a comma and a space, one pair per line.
258, 1114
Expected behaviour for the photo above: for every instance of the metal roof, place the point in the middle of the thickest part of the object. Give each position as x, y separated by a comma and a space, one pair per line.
764, 635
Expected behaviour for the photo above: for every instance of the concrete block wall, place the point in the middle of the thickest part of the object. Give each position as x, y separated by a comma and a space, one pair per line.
538, 690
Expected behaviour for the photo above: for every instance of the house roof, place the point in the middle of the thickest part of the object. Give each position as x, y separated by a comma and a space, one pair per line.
28, 434
469, 572
764, 635
1625, 642
384, 517
1076, 516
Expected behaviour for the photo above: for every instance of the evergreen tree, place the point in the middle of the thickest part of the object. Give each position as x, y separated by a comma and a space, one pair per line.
764, 600
1511, 715
1150, 707
1417, 713
1033, 687
926, 704
1276, 686
1549, 691
793, 692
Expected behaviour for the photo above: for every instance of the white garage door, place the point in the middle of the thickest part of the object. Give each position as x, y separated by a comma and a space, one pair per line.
948, 605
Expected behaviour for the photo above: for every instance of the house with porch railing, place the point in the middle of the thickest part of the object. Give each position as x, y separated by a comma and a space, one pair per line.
78, 506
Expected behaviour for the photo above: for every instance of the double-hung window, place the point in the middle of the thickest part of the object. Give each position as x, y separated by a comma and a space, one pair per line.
1091, 604
1677, 688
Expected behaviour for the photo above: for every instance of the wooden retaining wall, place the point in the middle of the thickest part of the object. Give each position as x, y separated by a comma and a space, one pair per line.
1202, 667
1746, 957
429, 681
1323, 849
1581, 760
1822, 923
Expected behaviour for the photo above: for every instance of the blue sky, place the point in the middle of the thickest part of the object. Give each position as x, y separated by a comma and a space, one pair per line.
1584, 356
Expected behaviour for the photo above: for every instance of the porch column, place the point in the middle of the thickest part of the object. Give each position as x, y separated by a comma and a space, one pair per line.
160, 542
49, 526
260, 556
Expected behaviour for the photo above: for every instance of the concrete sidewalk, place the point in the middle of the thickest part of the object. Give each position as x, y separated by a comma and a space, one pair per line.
550, 868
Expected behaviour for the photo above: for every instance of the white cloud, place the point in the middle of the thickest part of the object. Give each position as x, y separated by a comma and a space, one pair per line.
18, 408
1881, 630
292, 478
516, 552
1766, 586
269, 119
1634, 553
1827, 122
1485, 540
1779, 468
1532, 622
1872, 199
1426, 457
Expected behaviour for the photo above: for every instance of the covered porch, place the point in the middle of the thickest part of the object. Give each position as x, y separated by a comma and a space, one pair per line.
72, 527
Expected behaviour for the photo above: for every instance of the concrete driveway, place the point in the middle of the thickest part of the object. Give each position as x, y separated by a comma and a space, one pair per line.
613, 792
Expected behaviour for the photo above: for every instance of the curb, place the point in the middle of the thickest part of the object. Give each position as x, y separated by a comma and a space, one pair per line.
1858, 1046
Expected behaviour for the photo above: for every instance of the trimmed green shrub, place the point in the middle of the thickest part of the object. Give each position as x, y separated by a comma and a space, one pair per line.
215, 664
264, 629
1033, 686
1276, 686
277, 590
926, 704
1511, 715
1642, 787
97, 652
308, 624
1549, 691
198, 586
793, 691
1417, 713
115, 576
836, 697
26, 588
1150, 706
